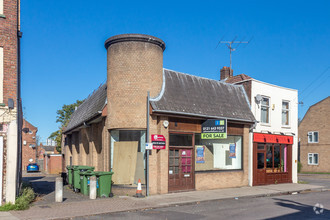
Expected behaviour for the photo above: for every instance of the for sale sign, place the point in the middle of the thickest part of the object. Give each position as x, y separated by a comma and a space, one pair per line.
214, 129
158, 141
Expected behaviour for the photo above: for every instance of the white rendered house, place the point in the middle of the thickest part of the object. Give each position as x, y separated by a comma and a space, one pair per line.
274, 138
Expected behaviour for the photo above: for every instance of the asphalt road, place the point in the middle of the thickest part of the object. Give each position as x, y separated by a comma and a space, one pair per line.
300, 206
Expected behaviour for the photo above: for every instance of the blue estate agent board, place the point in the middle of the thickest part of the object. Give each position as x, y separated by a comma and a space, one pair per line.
214, 129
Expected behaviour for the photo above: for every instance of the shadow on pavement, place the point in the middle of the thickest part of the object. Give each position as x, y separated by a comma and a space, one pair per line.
303, 211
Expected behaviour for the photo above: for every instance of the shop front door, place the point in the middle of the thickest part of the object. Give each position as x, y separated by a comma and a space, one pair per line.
272, 163
181, 170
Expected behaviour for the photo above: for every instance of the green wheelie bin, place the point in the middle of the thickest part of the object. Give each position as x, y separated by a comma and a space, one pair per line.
104, 183
70, 174
84, 181
76, 175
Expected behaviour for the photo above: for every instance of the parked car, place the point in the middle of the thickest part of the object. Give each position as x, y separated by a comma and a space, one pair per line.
32, 167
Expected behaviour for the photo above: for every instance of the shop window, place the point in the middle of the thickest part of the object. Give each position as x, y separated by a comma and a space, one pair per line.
265, 110
222, 154
285, 113
313, 137
269, 156
276, 158
128, 135
313, 159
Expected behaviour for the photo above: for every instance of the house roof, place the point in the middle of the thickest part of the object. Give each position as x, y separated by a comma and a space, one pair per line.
89, 109
312, 107
237, 78
196, 96
49, 148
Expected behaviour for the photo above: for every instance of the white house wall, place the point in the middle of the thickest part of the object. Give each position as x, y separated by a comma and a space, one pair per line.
276, 95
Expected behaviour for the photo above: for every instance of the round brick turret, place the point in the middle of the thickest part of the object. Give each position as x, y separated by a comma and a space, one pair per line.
135, 66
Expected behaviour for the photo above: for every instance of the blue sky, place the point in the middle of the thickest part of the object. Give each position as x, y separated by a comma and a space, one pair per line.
64, 59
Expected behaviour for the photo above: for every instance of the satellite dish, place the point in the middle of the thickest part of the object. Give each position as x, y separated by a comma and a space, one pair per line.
258, 98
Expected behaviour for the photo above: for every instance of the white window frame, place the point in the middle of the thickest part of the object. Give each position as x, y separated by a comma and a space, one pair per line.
313, 137
288, 112
313, 161
261, 105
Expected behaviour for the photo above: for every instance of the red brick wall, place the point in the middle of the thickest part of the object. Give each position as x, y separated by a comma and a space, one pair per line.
54, 164
8, 40
27, 140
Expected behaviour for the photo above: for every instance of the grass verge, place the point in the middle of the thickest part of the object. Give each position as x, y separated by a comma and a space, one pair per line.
23, 201
302, 182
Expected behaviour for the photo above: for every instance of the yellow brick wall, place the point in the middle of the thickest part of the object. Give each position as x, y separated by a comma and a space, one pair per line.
317, 118
133, 69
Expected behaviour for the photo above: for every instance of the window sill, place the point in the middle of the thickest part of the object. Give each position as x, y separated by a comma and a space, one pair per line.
312, 142
313, 164
2, 16
286, 126
266, 125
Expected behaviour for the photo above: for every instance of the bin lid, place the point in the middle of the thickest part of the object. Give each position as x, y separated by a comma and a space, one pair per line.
87, 173
102, 173
83, 168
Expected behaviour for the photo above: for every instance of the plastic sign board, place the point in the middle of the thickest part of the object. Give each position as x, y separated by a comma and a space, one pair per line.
148, 146
214, 129
158, 141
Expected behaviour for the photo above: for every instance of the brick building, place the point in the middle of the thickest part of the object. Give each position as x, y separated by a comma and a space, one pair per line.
29, 144
110, 129
10, 101
314, 138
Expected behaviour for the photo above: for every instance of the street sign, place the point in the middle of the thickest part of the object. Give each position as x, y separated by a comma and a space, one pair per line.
214, 129
158, 141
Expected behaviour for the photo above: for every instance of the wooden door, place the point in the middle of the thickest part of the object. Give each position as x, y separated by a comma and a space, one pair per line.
259, 164
181, 169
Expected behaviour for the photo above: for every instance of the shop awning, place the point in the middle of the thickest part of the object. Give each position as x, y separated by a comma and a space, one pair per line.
272, 138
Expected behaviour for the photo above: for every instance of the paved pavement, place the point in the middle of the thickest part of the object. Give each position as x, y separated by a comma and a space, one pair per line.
316, 179
44, 187
120, 204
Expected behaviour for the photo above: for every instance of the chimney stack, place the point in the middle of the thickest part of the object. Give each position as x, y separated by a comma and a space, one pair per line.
226, 72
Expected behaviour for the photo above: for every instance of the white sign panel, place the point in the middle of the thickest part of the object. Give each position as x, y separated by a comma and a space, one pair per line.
149, 146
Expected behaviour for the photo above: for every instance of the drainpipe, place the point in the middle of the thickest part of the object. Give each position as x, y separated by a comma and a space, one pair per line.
147, 151
19, 104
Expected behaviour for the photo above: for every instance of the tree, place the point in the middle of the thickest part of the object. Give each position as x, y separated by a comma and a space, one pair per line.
63, 117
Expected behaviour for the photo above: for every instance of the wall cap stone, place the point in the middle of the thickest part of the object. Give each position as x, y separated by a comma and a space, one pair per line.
135, 37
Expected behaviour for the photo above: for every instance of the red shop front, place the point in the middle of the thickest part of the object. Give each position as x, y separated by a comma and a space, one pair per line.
272, 159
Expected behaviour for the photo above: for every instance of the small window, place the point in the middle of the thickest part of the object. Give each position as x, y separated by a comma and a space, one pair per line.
313, 137
265, 110
285, 113
313, 159
30, 132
